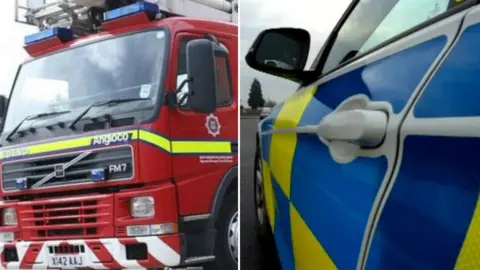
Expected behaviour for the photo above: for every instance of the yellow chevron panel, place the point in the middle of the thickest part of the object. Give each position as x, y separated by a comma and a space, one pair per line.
155, 139
308, 252
201, 147
269, 195
282, 146
469, 257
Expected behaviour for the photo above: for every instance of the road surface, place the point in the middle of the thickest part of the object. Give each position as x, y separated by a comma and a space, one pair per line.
250, 253
247, 208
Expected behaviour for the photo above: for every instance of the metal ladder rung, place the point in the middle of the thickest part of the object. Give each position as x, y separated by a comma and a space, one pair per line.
74, 15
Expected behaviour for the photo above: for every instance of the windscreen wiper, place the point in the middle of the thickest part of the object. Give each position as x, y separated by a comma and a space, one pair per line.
103, 103
30, 117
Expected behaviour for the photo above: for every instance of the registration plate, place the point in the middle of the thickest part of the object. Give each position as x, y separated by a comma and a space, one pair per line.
138, 230
67, 261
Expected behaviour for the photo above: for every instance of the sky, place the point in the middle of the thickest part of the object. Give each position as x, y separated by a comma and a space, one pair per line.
11, 45
319, 17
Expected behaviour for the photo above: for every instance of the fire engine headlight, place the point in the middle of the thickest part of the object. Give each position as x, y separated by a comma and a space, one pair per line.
142, 207
7, 237
9, 217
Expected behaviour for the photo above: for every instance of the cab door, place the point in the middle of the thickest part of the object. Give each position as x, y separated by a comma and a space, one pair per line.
323, 197
429, 216
197, 168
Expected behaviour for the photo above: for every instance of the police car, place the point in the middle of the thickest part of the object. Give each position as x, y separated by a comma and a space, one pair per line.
372, 163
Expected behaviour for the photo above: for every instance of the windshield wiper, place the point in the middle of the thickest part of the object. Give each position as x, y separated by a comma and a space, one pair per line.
103, 103
30, 117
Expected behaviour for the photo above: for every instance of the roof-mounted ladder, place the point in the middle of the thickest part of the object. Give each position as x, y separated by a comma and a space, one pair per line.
81, 16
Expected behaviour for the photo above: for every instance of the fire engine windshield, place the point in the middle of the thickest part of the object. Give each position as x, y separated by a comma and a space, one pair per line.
122, 67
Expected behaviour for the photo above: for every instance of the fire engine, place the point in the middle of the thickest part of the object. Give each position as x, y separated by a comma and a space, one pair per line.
119, 137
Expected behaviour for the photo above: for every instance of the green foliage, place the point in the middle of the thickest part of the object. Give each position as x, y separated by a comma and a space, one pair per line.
255, 97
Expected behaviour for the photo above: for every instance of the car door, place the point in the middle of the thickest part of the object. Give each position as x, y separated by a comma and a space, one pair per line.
429, 217
322, 197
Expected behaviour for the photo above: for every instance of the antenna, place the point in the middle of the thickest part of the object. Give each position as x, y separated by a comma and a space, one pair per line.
84, 17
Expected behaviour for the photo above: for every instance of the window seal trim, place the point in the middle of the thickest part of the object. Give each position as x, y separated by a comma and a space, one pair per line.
320, 60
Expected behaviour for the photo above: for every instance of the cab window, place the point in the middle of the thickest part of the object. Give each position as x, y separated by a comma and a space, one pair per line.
224, 91
373, 22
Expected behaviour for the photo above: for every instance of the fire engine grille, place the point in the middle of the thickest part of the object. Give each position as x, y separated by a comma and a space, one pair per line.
116, 161
64, 219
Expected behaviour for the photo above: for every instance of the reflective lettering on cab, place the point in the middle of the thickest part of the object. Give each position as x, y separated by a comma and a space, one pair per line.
117, 168
108, 139
14, 152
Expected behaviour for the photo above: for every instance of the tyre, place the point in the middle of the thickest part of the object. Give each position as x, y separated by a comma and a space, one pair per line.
226, 242
258, 250
267, 251
249, 240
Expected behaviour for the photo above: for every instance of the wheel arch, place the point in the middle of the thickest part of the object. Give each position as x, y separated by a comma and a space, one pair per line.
228, 184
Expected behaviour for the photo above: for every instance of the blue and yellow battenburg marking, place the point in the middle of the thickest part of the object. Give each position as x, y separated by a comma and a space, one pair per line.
164, 143
291, 231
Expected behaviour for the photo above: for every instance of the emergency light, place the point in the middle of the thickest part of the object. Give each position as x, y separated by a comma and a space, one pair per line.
98, 175
63, 34
21, 183
139, 7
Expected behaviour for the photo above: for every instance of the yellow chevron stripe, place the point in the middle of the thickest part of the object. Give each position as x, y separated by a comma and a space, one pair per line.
469, 254
155, 139
192, 147
282, 146
308, 252
180, 147
61, 145
269, 194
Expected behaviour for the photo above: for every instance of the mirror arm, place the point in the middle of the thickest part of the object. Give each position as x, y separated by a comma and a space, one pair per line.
183, 98
171, 98
180, 87
212, 38
188, 94
307, 77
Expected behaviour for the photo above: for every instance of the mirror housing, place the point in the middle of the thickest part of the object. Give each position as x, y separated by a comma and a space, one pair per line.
281, 52
3, 106
202, 77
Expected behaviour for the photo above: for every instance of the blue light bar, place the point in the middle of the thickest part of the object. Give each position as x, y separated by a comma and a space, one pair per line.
63, 34
97, 175
138, 7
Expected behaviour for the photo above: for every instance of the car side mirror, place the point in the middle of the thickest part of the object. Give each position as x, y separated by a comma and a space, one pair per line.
281, 52
202, 78
3, 106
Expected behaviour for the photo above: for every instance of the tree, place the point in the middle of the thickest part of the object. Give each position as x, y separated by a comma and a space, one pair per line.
255, 97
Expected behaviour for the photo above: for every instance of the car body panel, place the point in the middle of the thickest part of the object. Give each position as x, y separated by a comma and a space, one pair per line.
324, 211
437, 226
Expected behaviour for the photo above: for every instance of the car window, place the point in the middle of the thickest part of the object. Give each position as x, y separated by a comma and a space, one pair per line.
375, 21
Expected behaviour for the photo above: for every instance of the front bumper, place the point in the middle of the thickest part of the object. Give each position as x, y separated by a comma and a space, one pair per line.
107, 253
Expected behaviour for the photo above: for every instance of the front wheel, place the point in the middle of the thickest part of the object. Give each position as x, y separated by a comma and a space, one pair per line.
266, 242
226, 243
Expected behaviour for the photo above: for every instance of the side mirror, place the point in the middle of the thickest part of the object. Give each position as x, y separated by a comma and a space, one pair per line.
281, 52
201, 69
3, 106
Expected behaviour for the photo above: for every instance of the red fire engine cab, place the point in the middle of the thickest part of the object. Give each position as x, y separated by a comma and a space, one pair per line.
119, 138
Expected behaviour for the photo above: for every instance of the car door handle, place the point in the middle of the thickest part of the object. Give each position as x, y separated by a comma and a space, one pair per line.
365, 128
357, 124
362, 127
346, 132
